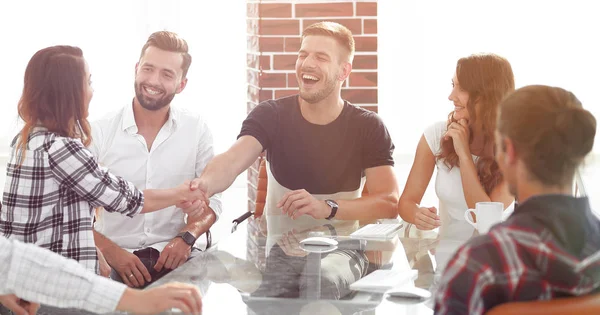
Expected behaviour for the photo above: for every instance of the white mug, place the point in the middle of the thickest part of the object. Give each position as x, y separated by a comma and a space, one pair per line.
487, 213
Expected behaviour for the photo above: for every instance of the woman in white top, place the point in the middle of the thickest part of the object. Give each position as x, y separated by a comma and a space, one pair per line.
461, 148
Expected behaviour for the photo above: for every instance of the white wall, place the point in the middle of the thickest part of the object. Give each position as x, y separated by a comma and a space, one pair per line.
111, 34
547, 42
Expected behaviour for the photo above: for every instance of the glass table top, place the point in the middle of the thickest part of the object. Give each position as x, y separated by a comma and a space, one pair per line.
261, 268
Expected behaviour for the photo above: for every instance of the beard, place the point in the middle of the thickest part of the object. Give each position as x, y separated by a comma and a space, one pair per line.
317, 96
150, 103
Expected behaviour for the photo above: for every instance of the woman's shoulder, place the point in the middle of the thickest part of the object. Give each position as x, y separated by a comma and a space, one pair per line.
436, 129
38, 139
433, 135
55, 143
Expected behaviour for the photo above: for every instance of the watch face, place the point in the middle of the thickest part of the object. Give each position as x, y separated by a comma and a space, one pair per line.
331, 203
188, 238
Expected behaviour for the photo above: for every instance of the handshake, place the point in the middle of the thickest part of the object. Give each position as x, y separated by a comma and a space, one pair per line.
192, 198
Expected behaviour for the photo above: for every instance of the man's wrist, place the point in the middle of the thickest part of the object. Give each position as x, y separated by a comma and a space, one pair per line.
326, 209
203, 185
178, 240
104, 244
333, 207
187, 237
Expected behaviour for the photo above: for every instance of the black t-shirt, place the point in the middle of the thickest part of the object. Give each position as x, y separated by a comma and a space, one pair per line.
323, 159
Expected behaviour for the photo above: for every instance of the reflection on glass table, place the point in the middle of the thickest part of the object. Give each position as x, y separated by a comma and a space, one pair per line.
261, 268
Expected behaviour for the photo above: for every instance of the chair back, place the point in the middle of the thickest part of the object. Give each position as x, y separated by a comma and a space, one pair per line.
261, 188
580, 305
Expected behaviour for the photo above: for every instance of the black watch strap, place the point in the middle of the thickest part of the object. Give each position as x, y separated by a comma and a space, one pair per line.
188, 238
334, 208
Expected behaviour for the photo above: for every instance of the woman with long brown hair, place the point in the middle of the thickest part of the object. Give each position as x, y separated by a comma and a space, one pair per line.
53, 183
461, 148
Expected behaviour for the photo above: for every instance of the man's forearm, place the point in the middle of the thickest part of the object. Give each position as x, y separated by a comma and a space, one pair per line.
201, 224
222, 170
219, 173
103, 243
368, 208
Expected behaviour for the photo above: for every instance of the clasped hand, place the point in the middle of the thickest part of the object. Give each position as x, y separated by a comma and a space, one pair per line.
299, 202
192, 201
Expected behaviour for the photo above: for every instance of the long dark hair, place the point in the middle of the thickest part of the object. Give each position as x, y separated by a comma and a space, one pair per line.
54, 95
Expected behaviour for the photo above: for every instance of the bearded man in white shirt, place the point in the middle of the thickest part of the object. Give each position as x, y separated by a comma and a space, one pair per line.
154, 145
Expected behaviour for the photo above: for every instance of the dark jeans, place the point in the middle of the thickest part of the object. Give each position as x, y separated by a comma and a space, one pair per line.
149, 256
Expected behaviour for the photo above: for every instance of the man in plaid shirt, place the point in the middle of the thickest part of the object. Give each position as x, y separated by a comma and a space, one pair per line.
539, 252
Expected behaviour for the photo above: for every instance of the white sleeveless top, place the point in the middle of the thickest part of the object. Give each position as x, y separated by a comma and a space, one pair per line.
448, 183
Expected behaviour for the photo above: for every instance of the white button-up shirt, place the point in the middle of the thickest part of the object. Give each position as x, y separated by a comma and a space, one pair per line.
181, 150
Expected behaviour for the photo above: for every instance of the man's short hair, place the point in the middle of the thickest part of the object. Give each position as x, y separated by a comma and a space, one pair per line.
170, 41
335, 30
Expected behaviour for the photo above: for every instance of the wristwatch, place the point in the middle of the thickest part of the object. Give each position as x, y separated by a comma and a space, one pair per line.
188, 238
334, 207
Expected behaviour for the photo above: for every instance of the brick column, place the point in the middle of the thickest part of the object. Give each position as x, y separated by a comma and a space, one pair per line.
274, 28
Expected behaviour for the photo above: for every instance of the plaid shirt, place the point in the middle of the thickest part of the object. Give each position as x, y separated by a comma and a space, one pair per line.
49, 199
531, 256
38, 275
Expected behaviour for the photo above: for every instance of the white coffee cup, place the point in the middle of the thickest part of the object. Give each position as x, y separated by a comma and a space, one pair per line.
487, 214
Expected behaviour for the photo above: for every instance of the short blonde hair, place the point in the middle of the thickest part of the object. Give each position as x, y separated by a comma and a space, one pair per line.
335, 30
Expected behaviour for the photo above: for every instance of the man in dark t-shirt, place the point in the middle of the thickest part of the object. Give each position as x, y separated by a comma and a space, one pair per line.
320, 149
321, 152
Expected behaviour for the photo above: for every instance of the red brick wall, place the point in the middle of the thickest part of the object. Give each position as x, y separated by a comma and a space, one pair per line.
274, 28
